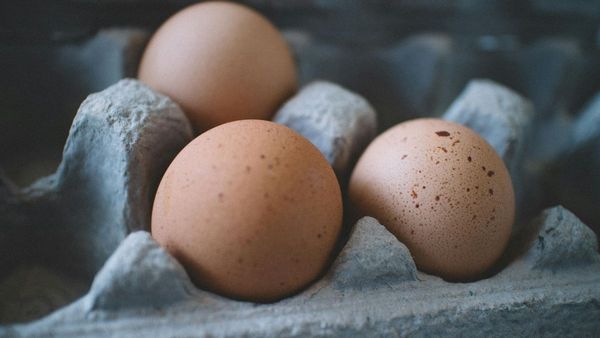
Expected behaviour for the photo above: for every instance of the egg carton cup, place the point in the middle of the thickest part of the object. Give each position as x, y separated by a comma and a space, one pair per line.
87, 224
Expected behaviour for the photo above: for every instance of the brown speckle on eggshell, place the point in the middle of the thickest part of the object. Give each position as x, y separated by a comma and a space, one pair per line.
251, 209
453, 228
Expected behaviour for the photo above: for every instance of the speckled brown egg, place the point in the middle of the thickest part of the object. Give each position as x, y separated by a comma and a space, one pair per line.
221, 62
442, 190
251, 209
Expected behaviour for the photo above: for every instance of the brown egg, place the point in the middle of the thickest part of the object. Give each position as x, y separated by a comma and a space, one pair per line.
221, 62
251, 209
440, 189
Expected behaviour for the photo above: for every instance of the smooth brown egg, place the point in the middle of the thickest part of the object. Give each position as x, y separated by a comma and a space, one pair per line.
442, 190
251, 209
220, 62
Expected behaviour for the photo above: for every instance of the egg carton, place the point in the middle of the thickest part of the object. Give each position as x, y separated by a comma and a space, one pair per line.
78, 256
123, 138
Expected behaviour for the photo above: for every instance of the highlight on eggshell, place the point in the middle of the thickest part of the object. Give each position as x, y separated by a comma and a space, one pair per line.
443, 191
251, 209
220, 62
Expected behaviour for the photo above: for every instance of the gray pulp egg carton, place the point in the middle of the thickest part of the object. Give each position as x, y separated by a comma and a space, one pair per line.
76, 260
122, 139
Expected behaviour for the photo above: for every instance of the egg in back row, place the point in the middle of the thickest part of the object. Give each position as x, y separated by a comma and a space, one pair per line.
220, 62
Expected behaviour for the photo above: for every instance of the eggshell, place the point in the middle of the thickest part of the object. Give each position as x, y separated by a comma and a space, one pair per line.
442, 191
251, 209
221, 62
